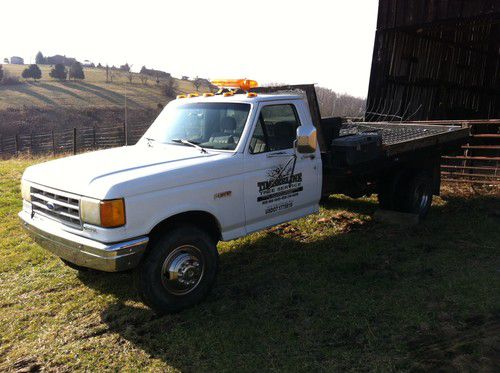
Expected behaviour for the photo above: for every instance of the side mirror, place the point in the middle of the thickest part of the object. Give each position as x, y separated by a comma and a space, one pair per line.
306, 139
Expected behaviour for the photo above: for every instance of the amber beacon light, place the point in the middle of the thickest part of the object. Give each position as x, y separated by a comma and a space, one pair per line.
244, 84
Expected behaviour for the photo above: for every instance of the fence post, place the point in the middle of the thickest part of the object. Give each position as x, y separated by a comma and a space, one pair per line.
53, 144
125, 123
74, 140
125, 133
1, 144
31, 143
16, 143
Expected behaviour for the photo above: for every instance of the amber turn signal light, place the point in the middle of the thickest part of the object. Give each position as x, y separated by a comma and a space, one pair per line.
112, 213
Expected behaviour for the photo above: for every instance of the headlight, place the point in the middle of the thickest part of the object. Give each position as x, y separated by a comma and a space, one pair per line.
107, 214
26, 190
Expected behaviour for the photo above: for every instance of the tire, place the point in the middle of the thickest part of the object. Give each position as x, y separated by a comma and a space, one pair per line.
417, 197
384, 198
178, 271
76, 267
387, 192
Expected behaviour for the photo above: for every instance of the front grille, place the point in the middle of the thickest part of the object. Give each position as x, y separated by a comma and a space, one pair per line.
60, 206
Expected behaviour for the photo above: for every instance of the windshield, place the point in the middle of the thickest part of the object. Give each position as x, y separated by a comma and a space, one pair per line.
209, 125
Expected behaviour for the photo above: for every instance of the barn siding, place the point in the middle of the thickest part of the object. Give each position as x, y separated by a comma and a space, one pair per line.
436, 59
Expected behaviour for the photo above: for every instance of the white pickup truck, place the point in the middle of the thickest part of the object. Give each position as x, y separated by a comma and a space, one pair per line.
213, 168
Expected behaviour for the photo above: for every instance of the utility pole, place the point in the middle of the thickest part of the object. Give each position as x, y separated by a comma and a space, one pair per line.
125, 128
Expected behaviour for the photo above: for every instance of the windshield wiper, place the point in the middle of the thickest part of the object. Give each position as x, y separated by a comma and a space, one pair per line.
189, 143
150, 140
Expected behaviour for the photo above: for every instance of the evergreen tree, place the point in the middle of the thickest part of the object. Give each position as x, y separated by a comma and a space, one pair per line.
59, 72
76, 71
32, 71
40, 59
1, 73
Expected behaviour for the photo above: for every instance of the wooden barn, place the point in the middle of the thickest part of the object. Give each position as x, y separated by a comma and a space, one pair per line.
436, 59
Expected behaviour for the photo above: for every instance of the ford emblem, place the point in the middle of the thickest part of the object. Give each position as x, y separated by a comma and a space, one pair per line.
50, 206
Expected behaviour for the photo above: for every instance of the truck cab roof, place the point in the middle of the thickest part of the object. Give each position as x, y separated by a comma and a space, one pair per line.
242, 97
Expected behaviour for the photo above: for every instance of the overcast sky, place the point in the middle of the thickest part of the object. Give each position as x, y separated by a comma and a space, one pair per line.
327, 42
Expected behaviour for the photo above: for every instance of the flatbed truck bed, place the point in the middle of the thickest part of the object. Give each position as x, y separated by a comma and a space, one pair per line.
402, 137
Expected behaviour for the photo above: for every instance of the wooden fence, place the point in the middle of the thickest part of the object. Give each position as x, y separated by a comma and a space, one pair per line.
73, 140
479, 161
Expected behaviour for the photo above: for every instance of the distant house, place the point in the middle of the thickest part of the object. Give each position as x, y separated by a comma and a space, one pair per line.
155, 73
88, 63
54, 60
15, 60
184, 77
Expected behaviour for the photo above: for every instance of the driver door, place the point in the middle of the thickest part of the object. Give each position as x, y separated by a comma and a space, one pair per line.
280, 185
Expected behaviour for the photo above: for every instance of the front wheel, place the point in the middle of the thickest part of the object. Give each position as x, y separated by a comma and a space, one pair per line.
178, 271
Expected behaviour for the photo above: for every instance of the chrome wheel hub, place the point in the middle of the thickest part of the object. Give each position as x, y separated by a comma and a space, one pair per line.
422, 197
182, 270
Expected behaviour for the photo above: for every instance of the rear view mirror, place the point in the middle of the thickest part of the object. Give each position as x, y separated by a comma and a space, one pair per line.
306, 140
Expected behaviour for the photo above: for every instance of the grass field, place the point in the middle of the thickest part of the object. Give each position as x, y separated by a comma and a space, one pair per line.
91, 92
334, 291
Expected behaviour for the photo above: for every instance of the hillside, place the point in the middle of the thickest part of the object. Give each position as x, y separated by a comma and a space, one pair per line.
38, 107
91, 92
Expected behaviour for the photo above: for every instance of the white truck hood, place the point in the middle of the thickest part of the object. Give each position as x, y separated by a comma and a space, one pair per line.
103, 174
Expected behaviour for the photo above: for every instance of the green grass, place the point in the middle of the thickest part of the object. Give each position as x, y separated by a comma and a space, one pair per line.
334, 291
93, 91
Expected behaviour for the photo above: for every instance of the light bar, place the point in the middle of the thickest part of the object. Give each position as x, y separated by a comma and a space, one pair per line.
244, 84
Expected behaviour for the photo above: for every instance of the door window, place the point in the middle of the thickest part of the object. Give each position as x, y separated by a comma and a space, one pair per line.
276, 129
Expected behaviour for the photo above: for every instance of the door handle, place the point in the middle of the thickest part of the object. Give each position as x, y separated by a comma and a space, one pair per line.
311, 156
278, 154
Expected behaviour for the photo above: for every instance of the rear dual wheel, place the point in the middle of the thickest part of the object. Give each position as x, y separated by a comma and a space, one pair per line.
411, 193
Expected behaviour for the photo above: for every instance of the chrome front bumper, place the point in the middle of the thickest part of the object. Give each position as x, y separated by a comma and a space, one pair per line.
83, 251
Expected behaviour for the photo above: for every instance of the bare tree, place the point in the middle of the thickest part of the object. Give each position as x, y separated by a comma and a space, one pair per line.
130, 76
129, 73
339, 105
144, 78
112, 75
170, 87
197, 83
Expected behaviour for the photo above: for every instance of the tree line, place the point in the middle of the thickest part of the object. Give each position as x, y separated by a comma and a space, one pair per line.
332, 104
59, 72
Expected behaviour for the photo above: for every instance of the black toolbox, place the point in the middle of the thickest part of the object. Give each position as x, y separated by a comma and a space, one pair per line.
355, 149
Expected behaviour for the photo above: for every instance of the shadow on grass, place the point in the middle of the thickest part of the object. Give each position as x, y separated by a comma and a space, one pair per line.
58, 89
25, 89
105, 94
373, 297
